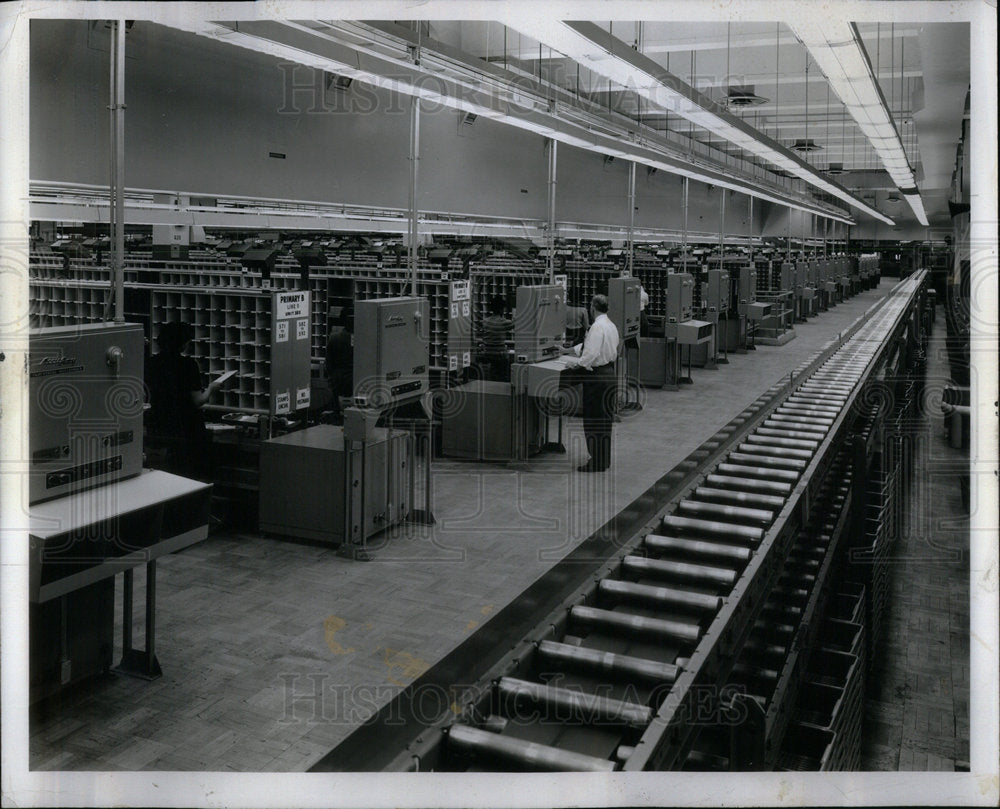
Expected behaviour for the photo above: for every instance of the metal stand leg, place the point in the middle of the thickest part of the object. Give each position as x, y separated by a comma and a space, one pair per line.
140, 663
424, 516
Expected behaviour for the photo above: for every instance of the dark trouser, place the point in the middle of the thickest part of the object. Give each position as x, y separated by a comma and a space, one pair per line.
599, 389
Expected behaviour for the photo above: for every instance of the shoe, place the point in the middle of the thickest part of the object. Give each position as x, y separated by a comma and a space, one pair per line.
587, 467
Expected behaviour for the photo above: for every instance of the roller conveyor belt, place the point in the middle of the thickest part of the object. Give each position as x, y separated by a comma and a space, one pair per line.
712, 592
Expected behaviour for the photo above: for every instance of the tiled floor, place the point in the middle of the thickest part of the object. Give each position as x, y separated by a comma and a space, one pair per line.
273, 651
918, 698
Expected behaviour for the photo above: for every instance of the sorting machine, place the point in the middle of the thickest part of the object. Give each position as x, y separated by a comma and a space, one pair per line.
805, 292
683, 633
776, 285
94, 511
344, 484
501, 421
660, 354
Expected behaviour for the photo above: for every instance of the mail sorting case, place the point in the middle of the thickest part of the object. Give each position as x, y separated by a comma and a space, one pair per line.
303, 487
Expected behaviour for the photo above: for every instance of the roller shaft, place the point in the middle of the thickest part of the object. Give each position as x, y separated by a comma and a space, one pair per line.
750, 500
755, 472
777, 451
731, 482
811, 440
719, 511
532, 755
699, 549
666, 597
616, 622
564, 704
678, 571
756, 459
687, 525
779, 441
608, 663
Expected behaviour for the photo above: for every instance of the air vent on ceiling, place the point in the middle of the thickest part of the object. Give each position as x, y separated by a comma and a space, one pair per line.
744, 96
469, 118
335, 81
806, 145
893, 198
835, 168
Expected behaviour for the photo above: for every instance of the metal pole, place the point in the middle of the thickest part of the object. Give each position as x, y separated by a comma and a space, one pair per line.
553, 149
750, 227
722, 227
631, 217
684, 207
117, 190
414, 163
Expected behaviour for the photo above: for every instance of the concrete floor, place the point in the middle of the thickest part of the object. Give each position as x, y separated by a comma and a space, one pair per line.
274, 651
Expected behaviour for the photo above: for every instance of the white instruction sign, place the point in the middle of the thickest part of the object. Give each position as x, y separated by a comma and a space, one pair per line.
292, 304
460, 291
281, 333
301, 398
282, 403
302, 329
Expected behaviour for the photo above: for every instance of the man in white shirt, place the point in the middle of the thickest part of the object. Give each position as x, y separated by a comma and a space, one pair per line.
596, 356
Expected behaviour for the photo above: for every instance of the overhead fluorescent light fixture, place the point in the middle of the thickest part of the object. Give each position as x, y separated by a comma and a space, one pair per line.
614, 59
840, 53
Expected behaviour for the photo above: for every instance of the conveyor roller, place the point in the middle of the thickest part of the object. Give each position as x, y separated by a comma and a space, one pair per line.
755, 459
616, 589
699, 549
776, 475
750, 500
777, 450
719, 511
810, 440
710, 528
607, 663
564, 704
731, 482
526, 754
616, 622
777, 441
704, 575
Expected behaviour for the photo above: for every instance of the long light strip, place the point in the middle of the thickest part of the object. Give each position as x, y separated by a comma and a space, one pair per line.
840, 53
289, 41
601, 53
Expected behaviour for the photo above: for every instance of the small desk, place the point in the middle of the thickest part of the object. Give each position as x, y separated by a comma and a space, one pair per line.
84, 538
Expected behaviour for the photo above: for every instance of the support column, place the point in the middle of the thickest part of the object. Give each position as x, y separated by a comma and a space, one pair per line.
630, 252
553, 145
116, 191
414, 180
684, 206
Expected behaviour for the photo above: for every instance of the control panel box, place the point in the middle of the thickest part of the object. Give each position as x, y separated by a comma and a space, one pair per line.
624, 305
680, 294
747, 288
291, 349
800, 275
86, 394
539, 322
459, 346
716, 291
391, 349
787, 276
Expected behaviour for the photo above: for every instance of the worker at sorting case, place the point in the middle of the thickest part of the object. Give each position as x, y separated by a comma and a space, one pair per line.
596, 358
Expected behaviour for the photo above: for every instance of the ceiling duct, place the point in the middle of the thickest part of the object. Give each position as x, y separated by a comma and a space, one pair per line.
806, 145
744, 96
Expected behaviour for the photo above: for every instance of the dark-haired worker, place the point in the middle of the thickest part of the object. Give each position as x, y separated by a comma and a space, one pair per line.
176, 398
